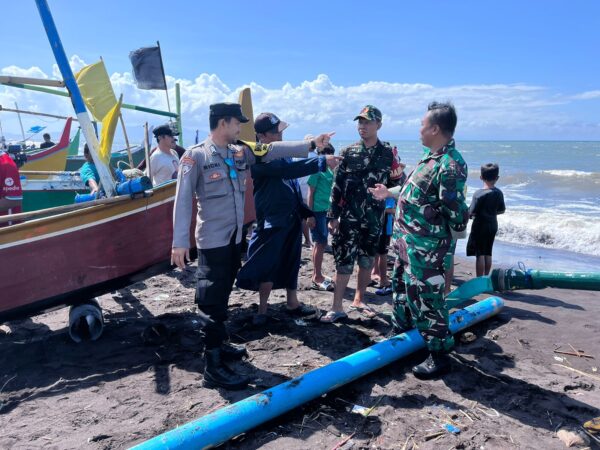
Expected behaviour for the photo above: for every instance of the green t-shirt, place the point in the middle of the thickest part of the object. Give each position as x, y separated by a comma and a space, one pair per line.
321, 182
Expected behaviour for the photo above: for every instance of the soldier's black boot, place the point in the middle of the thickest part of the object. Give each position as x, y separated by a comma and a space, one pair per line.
217, 374
435, 365
233, 351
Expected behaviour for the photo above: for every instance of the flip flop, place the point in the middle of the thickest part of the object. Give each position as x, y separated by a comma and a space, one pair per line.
333, 316
364, 311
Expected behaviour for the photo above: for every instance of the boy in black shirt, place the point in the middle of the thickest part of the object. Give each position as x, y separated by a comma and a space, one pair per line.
487, 203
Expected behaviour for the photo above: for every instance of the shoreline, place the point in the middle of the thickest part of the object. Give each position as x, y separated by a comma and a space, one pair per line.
508, 254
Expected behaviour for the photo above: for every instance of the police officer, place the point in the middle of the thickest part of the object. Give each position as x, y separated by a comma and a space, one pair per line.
432, 202
214, 172
355, 216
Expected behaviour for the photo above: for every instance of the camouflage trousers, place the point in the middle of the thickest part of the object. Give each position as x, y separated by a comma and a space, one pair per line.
418, 286
356, 240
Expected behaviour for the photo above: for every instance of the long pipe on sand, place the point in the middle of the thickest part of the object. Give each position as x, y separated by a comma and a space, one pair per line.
512, 279
501, 280
225, 423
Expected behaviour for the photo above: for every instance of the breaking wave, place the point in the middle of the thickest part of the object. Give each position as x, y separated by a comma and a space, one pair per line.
551, 229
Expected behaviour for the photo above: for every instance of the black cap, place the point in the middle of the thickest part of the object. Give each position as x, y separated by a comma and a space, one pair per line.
268, 121
164, 130
228, 110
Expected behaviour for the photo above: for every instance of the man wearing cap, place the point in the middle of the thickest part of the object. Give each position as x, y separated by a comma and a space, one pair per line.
355, 216
214, 172
431, 204
178, 148
276, 245
164, 161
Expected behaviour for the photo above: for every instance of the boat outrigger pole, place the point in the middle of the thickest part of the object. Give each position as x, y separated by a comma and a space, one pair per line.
69, 79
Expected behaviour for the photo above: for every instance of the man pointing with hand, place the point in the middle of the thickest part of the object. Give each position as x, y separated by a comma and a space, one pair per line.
215, 172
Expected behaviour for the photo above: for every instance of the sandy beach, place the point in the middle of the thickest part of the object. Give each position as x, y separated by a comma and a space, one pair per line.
508, 387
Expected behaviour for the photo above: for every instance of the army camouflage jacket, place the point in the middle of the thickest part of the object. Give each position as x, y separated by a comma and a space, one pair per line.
360, 169
432, 199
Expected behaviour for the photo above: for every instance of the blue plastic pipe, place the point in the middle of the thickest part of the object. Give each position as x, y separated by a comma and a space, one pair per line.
225, 423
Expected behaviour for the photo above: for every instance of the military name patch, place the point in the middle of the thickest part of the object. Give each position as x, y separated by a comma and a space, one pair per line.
211, 166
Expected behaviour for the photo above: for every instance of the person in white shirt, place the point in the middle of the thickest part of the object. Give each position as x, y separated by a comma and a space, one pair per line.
164, 161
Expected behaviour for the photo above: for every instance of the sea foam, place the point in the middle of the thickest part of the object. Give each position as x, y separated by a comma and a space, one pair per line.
552, 229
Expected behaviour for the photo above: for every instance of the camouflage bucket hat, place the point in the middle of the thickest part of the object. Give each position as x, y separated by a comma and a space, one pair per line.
369, 112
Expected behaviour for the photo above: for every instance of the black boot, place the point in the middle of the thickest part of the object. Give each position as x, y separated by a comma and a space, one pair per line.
233, 351
217, 374
434, 366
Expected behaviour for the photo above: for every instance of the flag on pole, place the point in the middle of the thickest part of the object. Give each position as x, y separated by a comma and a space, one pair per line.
109, 124
36, 129
96, 90
147, 68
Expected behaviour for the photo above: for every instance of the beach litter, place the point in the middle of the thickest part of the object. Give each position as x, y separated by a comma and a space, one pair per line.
571, 438
451, 428
362, 410
574, 352
468, 337
161, 297
593, 425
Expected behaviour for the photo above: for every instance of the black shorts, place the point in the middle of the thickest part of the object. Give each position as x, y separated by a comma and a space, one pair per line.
481, 241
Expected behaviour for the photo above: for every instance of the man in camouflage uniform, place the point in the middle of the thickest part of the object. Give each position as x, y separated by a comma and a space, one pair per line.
355, 216
431, 203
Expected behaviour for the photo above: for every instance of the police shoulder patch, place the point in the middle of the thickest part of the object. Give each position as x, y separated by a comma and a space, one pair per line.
187, 162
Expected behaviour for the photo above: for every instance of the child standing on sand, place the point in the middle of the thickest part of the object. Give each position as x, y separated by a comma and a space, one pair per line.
487, 203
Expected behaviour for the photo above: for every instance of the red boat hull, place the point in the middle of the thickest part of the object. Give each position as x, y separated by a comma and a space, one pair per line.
68, 258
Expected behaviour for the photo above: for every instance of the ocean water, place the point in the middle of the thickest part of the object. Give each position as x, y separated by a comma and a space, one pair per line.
552, 195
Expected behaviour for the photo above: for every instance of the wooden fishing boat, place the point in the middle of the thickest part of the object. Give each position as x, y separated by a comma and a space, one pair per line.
69, 254
137, 154
52, 158
56, 189
69, 257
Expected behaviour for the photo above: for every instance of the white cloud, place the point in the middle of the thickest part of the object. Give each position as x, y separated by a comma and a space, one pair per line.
494, 111
587, 95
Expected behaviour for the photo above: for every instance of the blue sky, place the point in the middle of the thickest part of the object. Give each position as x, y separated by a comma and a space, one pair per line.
515, 70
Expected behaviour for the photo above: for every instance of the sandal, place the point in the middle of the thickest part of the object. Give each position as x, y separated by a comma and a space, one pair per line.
364, 311
333, 316
325, 285
301, 311
373, 283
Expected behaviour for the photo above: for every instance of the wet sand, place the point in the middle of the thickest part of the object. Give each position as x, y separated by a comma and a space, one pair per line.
507, 389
